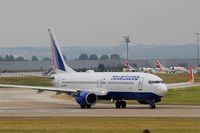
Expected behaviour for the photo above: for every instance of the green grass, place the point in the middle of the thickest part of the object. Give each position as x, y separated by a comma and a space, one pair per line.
174, 78
32, 81
102, 131
190, 96
98, 125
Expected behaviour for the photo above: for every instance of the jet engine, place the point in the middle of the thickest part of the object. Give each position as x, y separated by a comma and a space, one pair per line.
86, 99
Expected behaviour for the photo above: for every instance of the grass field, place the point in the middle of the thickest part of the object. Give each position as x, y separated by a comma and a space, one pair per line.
98, 125
34, 81
186, 96
174, 78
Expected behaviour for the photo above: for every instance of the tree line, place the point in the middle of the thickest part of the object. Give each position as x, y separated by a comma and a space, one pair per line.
83, 56
20, 58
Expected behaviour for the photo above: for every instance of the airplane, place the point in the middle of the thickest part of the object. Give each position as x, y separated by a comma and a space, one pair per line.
179, 69
148, 70
140, 69
160, 67
174, 69
128, 68
90, 87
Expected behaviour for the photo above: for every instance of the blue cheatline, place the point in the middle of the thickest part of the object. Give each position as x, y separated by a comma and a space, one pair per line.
133, 96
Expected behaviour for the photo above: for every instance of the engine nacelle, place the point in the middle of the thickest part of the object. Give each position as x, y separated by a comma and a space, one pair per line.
85, 98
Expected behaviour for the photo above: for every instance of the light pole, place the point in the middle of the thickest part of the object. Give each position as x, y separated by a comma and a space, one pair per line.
127, 40
197, 35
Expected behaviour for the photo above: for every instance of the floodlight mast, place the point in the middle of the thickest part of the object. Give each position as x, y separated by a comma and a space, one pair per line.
127, 40
197, 35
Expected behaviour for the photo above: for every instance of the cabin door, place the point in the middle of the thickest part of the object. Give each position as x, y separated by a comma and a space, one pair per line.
140, 83
101, 84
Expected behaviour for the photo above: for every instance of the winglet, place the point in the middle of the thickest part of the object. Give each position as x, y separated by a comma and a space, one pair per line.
191, 74
57, 56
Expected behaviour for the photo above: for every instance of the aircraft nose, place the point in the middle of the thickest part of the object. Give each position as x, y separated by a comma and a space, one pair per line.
161, 89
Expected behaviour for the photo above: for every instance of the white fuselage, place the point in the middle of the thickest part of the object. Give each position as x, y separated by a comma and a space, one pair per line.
112, 82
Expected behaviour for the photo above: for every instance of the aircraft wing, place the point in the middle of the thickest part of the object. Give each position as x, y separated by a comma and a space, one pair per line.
191, 82
99, 91
182, 85
35, 75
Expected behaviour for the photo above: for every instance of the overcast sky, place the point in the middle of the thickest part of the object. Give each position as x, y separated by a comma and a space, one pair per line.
98, 22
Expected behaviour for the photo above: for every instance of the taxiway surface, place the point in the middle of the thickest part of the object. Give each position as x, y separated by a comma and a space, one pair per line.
25, 102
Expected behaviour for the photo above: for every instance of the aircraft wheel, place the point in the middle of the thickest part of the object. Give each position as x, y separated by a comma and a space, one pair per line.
82, 106
118, 104
88, 106
152, 106
123, 103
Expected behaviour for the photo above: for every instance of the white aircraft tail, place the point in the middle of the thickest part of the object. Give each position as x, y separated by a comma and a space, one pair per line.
191, 75
59, 64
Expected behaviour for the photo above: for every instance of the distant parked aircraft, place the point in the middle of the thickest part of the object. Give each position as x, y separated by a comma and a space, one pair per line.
141, 69
160, 67
129, 67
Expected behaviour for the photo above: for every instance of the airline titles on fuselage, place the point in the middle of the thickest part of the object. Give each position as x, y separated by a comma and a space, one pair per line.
117, 77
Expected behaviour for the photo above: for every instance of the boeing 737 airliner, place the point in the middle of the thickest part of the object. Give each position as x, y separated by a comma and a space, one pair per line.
88, 88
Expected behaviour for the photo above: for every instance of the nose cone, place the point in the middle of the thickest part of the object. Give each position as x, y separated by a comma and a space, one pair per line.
161, 89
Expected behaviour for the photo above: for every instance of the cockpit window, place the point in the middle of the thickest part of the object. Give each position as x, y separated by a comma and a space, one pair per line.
155, 82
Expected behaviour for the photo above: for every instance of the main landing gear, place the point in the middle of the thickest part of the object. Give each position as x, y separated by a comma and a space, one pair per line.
120, 104
85, 106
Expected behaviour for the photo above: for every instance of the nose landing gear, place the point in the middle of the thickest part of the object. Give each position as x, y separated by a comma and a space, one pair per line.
152, 104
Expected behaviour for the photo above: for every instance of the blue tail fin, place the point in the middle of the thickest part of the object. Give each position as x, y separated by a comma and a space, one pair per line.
57, 56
